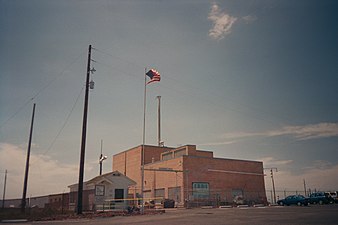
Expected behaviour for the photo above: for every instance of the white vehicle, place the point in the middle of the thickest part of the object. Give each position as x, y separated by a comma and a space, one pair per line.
334, 195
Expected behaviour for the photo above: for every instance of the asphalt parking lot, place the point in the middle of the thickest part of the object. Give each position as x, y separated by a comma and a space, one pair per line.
291, 215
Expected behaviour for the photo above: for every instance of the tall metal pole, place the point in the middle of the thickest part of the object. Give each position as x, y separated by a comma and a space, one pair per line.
100, 160
159, 120
84, 132
23, 200
4, 192
143, 140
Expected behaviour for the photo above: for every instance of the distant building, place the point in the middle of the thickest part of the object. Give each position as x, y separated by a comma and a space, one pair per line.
13, 203
53, 201
191, 177
37, 201
106, 192
58, 201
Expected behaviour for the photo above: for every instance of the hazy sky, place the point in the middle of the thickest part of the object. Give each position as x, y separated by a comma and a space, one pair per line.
247, 79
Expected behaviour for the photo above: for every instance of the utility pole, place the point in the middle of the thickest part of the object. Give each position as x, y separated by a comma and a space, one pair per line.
273, 182
84, 132
4, 192
159, 121
304, 187
23, 200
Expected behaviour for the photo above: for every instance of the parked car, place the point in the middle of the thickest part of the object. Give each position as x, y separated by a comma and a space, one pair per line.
320, 198
294, 200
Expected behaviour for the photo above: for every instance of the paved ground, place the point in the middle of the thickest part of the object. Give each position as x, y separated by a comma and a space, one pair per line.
290, 215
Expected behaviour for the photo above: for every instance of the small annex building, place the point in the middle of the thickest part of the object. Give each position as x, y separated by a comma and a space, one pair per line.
105, 192
191, 177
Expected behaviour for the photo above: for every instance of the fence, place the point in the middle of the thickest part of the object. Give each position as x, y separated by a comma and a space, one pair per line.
221, 197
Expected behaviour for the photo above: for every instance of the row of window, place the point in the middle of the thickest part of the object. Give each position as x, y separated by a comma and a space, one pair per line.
199, 190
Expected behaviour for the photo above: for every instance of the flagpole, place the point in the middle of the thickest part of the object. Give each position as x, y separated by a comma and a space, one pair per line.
144, 140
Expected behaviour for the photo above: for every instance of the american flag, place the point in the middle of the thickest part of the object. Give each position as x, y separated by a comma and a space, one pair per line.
154, 76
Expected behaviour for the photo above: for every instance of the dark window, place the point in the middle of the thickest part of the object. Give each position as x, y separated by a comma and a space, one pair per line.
200, 190
119, 194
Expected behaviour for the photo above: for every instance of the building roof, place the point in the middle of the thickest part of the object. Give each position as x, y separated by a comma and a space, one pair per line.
147, 146
106, 177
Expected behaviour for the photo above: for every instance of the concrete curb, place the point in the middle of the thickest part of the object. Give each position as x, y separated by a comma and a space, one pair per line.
225, 207
14, 221
242, 206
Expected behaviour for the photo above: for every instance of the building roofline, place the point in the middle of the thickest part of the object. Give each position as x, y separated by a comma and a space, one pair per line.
103, 176
245, 160
138, 146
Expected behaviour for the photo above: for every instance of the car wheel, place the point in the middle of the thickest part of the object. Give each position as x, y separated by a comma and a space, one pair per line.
281, 203
299, 203
320, 202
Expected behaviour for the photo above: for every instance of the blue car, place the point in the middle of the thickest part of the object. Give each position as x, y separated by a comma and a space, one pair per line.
294, 200
320, 198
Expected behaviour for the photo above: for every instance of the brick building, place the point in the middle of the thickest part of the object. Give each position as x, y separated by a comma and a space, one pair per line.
192, 177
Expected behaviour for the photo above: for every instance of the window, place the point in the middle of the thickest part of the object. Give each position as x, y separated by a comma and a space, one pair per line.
200, 190
174, 193
159, 195
119, 194
99, 190
167, 156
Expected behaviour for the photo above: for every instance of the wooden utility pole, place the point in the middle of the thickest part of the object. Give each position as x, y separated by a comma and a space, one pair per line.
273, 184
84, 132
23, 200
273, 191
4, 192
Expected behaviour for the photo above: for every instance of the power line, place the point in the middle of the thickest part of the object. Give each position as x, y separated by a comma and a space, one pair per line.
16, 112
62, 73
121, 59
63, 125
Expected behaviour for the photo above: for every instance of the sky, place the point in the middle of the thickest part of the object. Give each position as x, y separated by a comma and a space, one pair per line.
246, 79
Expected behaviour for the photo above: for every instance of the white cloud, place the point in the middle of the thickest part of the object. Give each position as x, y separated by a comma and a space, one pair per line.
301, 133
272, 162
46, 175
217, 143
312, 131
249, 19
222, 22
306, 132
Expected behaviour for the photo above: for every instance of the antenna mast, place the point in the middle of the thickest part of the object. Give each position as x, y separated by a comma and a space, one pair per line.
159, 121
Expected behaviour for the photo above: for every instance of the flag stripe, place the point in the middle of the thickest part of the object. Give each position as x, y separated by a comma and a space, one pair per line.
154, 75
